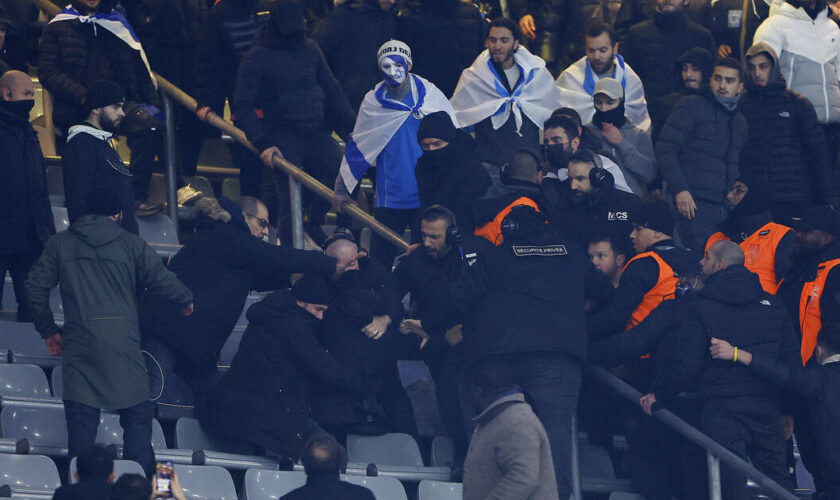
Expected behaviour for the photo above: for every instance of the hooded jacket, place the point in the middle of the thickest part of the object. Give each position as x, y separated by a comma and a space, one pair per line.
654, 45
307, 99
662, 107
350, 35
786, 149
100, 267
264, 396
26, 221
700, 146
221, 263
88, 160
809, 54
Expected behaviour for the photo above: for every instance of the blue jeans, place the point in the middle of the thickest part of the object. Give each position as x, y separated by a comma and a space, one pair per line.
551, 382
136, 421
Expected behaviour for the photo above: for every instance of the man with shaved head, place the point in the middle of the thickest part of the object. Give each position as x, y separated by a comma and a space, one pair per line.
26, 221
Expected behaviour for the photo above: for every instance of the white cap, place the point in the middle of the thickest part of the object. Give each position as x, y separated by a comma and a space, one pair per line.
394, 48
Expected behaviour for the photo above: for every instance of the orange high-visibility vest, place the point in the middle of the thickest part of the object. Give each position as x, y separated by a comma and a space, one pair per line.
810, 319
760, 253
493, 229
665, 289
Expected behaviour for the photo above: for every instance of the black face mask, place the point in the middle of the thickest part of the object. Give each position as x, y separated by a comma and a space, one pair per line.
614, 116
439, 157
19, 108
556, 155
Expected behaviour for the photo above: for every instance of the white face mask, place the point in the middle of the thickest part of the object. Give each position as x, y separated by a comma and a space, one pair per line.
394, 70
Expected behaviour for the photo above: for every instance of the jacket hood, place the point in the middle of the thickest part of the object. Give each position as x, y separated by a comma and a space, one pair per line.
96, 230
699, 57
776, 79
503, 401
795, 10
735, 285
275, 308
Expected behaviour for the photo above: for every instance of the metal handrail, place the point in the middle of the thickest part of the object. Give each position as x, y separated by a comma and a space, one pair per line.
169, 90
715, 452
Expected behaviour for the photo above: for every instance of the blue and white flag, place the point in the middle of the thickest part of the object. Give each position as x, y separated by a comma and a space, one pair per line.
112, 21
379, 119
577, 83
481, 94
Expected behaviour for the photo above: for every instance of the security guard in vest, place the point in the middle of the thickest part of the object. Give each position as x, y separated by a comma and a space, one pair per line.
525, 300
768, 247
520, 185
649, 278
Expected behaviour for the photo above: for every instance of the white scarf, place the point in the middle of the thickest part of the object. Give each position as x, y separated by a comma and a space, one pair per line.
480, 92
87, 129
380, 118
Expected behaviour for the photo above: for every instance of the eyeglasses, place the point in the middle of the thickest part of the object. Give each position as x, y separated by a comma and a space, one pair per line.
263, 222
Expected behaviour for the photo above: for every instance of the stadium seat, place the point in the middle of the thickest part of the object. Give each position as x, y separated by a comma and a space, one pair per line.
8, 302
437, 490
110, 432
443, 451
57, 382
231, 189
120, 467
62, 221
218, 450
55, 186
270, 485
29, 474
205, 482
45, 428
25, 345
389, 449
383, 488
26, 381
595, 462
623, 495
160, 233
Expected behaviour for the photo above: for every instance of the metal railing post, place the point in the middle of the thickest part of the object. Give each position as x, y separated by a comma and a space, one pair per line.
296, 202
170, 160
576, 487
713, 464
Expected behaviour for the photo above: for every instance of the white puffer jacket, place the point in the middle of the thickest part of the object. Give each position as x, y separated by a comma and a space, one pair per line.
809, 54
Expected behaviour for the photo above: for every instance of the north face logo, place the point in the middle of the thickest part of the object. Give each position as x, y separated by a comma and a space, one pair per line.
784, 114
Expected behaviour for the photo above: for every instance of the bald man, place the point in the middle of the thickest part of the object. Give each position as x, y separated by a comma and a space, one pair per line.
26, 221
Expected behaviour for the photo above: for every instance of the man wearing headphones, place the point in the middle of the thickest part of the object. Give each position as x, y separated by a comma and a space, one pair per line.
425, 273
588, 202
525, 303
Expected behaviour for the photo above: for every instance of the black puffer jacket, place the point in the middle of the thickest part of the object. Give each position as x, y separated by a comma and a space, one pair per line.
26, 222
75, 54
445, 37
221, 263
653, 46
699, 147
350, 36
786, 150
452, 177
264, 397
289, 80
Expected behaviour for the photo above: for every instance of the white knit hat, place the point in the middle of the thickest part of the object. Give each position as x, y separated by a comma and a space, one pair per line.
394, 48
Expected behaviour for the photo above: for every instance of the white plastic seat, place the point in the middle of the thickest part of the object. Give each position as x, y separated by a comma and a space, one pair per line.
120, 467
389, 449
160, 233
111, 432
45, 428
439, 490
25, 345
595, 462
33, 474
443, 451
205, 482
61, 219
24, 381
271, 485
383, 488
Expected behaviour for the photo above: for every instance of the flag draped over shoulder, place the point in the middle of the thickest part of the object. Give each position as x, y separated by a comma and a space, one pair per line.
577, 83
481, 94
379, 119
112, 21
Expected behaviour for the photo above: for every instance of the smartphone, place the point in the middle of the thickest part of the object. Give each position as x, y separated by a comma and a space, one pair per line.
164, 479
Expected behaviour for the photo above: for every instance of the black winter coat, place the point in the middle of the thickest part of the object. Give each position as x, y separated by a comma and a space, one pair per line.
653, 46
350, 36
75, 54
264, 396
786, 150
700, 146
324, 486
87, 162
523, 296
500, 196
26, 221
443, 42
221, 263
805, 269
452, 177
732, 306
289, 80
227, 33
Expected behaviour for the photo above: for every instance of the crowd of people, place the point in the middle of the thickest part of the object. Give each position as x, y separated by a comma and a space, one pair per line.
649, 186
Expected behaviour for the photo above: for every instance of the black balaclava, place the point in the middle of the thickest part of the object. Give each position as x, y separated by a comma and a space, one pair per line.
614, 116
